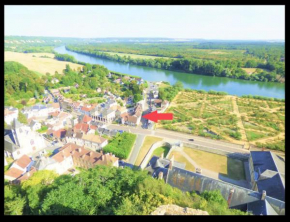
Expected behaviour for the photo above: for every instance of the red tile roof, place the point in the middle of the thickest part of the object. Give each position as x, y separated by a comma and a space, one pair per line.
87, 119
76, 151
27, 175
59, 133
23, 161
82, 127
14, 172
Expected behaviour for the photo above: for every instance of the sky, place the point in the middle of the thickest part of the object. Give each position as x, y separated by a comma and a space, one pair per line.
206, 22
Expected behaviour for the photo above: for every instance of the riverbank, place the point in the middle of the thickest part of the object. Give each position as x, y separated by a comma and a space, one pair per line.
198, 82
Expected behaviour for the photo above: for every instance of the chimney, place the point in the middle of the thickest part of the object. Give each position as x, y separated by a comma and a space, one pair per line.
230, 196
160, 175
263, 195
170, 165
198, 170
162, 156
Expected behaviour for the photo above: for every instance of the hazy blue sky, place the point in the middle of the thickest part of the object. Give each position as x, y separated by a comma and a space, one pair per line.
209, 22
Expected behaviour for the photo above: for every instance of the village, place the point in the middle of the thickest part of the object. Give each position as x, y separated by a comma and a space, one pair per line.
63, 134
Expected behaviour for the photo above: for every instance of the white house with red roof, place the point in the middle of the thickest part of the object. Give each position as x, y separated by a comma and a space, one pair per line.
19, 168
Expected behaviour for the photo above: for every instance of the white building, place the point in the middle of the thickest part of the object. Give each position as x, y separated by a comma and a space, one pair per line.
38, 110
22, 140
34, 125
10, 114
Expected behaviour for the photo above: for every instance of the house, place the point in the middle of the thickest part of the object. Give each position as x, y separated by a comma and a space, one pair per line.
86, 109
10, 114
54, 81
158, 102
139, 81
21, 140
86, 119
118, 81
267, 173
154, 94
109, 75
91, 141
76, 86
82, 157
66, 89
34, 125
132, 119
82, 127
77, 106
53, 107
56, 134
99, 90
25, 176
107, 115
18, 168
37, 110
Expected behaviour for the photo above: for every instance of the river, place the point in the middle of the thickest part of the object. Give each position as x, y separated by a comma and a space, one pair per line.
193, 81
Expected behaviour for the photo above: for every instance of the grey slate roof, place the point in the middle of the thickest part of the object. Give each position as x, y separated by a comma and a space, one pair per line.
271, 173
42, 162
261, 207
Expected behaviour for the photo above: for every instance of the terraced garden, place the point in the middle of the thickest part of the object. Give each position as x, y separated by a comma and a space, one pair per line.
230, 118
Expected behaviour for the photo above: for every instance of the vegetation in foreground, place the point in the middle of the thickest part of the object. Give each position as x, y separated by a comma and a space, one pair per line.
103, 191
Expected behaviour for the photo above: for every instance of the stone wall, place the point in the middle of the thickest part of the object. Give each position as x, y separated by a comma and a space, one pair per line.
237, 155
150, 152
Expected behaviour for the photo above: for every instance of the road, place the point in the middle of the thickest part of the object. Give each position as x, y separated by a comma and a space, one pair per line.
214, 144
136, 148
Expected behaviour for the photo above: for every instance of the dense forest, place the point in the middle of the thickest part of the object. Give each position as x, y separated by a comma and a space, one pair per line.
103, 191
20, 83
267, 60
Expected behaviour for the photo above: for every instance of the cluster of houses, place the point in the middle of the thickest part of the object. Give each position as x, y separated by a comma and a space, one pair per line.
139, 81
62, 162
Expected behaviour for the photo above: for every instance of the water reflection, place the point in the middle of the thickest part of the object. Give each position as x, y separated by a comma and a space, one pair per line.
192, 81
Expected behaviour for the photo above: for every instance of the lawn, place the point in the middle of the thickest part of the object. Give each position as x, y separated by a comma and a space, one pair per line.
38, 64
148, 142
229, 167
181, 159
160, 150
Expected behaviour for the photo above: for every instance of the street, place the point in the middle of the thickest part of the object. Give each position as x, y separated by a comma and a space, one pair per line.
214, 144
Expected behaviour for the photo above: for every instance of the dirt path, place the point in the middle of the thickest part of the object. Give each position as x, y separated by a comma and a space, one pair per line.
240, 122
263, 140
203, 105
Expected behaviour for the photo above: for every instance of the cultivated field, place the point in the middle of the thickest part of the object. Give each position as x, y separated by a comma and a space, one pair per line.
230, 118
38, 64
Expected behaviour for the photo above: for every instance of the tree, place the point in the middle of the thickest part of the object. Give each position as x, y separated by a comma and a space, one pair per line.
22, 118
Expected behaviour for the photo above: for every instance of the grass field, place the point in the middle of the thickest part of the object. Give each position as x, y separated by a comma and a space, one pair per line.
38, 64
250, 70
135, 56
181, 159
229, 167
148, 142
160, 150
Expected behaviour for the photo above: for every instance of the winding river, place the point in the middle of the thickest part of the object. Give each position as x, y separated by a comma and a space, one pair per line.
192, 81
